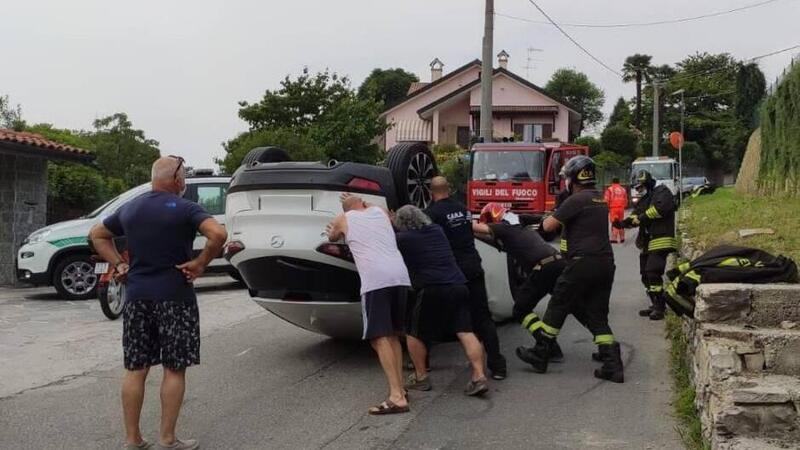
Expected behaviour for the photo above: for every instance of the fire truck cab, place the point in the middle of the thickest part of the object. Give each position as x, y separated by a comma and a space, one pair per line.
522, 176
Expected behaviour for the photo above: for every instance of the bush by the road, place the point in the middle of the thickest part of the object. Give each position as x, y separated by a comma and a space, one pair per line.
780, 137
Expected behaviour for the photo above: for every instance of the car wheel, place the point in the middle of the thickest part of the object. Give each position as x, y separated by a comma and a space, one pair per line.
74, 277
413, 167
265, 155
112, 299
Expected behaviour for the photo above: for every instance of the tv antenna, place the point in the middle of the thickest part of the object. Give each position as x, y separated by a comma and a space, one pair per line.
530, 60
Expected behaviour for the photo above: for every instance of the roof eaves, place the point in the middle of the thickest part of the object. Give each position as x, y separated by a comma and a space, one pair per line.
538, 89
433, 84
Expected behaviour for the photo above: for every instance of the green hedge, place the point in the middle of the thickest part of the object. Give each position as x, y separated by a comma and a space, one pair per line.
780, 137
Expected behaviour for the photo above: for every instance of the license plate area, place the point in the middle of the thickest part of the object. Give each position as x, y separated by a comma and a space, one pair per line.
101, 267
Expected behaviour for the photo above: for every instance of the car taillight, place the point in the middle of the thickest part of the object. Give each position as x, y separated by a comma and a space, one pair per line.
340, 251
232, 248
363, 183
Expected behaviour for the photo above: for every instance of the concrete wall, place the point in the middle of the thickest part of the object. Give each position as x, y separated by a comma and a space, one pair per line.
23, 206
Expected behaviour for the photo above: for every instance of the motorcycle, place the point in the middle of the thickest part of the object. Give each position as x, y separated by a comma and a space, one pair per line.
110, 291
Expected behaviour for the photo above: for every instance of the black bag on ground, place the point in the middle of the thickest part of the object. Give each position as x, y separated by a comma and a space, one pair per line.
725, 264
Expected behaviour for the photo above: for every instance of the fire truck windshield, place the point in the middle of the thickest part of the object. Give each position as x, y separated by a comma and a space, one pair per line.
495, 165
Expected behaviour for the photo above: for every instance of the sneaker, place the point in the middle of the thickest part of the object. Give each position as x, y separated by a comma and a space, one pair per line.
189, 444
477, 387
412, 383
144, 445
499, 373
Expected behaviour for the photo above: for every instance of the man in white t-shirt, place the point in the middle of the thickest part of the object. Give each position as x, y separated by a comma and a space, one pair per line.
368, 232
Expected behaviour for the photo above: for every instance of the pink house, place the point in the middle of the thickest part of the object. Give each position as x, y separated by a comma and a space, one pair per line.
446, 110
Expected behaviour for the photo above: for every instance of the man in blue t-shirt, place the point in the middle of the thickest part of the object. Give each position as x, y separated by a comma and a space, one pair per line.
161, 324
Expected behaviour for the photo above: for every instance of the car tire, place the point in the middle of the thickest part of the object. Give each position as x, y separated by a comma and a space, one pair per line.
74, 277
112, 299
265, 155
413, 167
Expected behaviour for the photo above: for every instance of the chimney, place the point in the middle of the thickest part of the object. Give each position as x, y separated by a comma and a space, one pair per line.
502, 59
436, 69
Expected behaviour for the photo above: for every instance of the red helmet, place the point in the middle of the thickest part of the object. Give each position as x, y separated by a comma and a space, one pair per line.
493, 213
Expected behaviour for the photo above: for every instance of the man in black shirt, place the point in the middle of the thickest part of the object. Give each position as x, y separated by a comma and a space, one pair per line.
456, 222
527, 248
585, 284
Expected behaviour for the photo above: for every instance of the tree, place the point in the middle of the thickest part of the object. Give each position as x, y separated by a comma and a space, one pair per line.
621, 115
10, 116
594, 144
576, 90
750, 89
388, 86
636, 68
620, 140
315, 116
122, 151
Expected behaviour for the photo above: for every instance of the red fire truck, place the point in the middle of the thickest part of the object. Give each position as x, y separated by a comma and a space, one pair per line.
522, 176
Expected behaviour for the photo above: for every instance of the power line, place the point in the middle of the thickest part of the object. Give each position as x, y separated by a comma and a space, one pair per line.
596, 59
720, 69
641, 24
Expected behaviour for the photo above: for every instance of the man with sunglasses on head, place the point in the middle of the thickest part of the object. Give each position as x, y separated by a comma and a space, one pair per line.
160, 320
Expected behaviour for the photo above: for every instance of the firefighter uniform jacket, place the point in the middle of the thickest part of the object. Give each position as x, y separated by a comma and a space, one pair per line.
725, 264
655, 215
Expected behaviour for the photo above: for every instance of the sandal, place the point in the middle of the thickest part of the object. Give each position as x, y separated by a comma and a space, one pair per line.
388, 407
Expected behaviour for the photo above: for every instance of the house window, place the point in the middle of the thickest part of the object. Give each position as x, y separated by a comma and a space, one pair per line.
533, 132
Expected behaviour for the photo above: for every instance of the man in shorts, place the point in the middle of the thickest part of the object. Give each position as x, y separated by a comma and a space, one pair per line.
160, 318
367, 230
442, 308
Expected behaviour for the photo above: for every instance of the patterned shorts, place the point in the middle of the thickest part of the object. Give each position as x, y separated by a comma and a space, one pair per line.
161, 332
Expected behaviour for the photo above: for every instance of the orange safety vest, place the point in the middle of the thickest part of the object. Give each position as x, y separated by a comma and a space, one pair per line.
616, 197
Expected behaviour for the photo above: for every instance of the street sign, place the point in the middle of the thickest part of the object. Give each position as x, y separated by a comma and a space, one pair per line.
676, 139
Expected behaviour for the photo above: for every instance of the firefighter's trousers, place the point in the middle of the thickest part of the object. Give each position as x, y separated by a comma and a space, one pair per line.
584, 290
651, 267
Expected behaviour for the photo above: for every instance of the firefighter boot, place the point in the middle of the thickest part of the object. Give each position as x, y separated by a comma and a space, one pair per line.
647, 311
539, 355
612, 363
659, 305
556, 355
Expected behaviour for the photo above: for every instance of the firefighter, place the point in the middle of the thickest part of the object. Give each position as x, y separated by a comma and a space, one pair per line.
617, 199
584, 287
655, 217
502, 228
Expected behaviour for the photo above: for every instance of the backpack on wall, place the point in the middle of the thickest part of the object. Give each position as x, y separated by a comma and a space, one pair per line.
725, 264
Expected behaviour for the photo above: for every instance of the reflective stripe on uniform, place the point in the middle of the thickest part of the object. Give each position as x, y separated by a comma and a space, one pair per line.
529, 319
693, 275
662, 243
652, 213
683, 267
673, 294
655, 288
544, 327
604, 339
563, 245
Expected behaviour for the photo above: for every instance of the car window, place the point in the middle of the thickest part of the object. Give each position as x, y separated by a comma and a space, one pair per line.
212, 197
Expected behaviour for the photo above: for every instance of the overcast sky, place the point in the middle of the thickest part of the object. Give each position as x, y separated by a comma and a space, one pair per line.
178, 68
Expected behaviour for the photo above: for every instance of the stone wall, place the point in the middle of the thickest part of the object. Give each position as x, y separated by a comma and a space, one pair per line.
23, 206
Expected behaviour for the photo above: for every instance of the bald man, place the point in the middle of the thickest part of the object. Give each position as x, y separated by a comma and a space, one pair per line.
456, 222
161, 322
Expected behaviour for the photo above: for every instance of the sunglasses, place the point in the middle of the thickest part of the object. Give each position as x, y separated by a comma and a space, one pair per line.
181, 161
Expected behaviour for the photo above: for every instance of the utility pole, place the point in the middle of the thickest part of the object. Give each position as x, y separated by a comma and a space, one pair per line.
656, 107
487, 71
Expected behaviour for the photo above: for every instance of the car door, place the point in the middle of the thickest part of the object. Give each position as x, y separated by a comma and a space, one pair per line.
211, 196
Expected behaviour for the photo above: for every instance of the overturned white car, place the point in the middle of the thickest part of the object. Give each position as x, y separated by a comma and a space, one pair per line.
276, 214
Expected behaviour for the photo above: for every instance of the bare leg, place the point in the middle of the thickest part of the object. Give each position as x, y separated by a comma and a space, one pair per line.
132, 399
397, 348
172, 388
384, 347
418, 353
474, 350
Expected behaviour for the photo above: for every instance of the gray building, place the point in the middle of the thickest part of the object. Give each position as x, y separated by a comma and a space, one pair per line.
23, 189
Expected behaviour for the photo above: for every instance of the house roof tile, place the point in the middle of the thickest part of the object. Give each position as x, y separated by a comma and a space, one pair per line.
38, 142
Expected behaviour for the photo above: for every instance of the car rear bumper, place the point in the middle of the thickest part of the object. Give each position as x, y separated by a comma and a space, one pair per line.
288, 278
341, 320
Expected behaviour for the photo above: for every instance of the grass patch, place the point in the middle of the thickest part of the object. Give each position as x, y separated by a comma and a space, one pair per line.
689, 426
715, 219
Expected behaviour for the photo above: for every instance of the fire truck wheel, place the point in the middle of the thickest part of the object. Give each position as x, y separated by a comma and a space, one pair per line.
413, 167
265, 155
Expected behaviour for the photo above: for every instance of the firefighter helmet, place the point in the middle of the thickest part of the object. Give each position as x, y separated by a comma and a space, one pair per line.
580, 170
493, 213
644, 180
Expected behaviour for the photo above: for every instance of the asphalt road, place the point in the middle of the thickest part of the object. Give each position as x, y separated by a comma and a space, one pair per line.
265, 384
